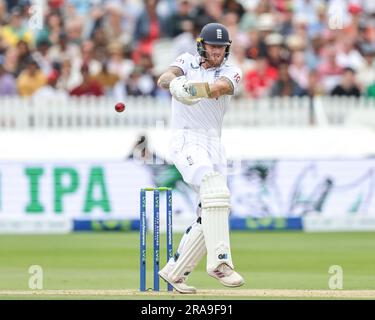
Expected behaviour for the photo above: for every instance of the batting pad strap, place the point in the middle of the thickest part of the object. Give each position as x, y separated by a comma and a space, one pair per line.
214, 192
191, 252
215, 201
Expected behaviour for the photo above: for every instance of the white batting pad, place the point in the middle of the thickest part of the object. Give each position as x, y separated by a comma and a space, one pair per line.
214, 192
191, 250
215, 198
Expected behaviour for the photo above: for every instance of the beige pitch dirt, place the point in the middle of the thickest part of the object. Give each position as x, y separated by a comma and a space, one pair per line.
243, 293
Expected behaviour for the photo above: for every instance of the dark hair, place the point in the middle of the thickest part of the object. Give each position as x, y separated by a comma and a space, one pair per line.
349, 69
31, 62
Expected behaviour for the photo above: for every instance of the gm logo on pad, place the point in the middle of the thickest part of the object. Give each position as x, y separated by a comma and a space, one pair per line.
222, 256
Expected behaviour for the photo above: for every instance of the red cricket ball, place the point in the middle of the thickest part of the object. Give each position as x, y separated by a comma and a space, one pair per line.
120, 107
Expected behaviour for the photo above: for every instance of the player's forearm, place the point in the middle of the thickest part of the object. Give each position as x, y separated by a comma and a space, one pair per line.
165, 79
220, 88
216, 91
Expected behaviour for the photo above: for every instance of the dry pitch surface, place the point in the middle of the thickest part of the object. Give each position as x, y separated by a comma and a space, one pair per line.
243, 293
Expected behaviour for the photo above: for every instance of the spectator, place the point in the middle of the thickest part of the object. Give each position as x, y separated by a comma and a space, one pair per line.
14, 32
69, 78
263, 7
230, 19
3, 13
63, 49
312, 56
107, 79
89, 86
3, 46
239, 58
10, 61
51, 30
148, 28
117, 63
132, 85
348, 56
347, 87
329, 71
300, 26
100, 39
42, 58
295, 42
186, 41
249, 18
259, 81
56, 4
7, 82
23, 56
81, 7
146, 82
315, 86
298, 69
11, 4
265, 23
366, 74
175, 23
283, 5
307, 9
50, 91
285, 86
355, 11
74, 30
30, 79
316, 28
234, 6
141, 81
122, 32
209, 11
276, 54
265, 26
86, 57
366, 32
253, 49
114, 24
285, 18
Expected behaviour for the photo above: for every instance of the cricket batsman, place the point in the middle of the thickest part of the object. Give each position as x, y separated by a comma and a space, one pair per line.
201, 88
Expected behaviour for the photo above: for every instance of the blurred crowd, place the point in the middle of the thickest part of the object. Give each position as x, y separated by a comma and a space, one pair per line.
51, 48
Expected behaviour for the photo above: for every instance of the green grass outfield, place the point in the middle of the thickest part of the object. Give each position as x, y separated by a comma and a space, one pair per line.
106, 265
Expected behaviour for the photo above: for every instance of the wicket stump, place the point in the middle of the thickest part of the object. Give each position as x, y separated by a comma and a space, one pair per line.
156, 235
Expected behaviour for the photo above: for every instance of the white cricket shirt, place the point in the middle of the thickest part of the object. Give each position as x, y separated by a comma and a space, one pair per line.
208, 114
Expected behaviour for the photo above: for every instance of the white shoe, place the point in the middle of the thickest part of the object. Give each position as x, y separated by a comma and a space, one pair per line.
227, 276
180, 284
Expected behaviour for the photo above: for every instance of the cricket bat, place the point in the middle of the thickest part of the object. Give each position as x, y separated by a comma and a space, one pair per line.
199, 89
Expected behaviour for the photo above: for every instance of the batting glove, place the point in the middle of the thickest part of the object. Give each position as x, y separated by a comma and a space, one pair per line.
180, 92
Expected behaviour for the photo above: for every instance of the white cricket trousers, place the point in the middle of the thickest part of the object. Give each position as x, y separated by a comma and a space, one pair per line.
195, 154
